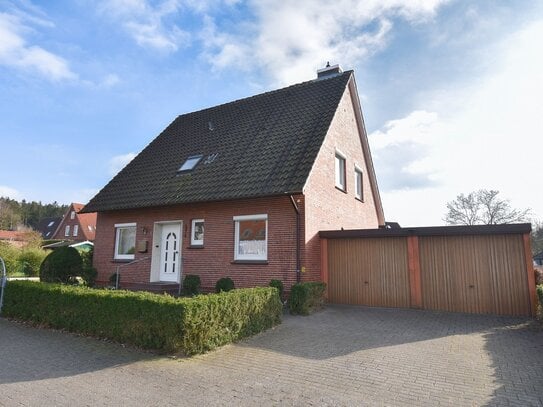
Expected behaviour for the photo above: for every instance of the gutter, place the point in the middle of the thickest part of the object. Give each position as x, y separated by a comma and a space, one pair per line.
298, 233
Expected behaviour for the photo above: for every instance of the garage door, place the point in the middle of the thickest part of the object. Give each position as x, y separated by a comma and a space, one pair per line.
371, 271
477, 274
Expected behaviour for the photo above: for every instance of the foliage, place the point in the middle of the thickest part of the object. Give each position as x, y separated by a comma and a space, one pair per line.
62, 265
192, 325
24, 261
540, 296
306, 297
483, 207
88, 273
224, 284
14, 213
191, 284
278, 284
113, 279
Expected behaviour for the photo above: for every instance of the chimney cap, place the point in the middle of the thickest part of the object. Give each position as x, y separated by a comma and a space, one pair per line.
329, 70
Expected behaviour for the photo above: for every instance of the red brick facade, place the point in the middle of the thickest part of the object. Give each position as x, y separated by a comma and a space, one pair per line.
322, 207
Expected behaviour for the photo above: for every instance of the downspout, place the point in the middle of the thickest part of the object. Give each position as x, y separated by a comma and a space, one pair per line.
298, 233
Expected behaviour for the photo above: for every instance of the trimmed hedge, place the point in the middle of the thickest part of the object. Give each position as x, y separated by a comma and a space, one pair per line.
305, 297
62, 265
191, 325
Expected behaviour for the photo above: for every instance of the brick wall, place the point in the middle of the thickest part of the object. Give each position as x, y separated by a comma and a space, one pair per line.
328, 208
215, 259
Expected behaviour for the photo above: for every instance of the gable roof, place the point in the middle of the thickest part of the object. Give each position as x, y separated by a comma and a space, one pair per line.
264, 145
48, 226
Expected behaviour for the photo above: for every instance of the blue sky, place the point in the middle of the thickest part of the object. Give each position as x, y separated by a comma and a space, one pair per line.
451, 90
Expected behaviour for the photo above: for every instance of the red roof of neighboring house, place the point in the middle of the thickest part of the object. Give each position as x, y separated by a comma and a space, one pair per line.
11, 235
86, 222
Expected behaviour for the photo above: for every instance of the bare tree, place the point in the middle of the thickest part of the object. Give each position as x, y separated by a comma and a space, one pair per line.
483, 207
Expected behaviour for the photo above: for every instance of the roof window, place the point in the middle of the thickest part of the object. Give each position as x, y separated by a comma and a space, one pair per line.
190, 163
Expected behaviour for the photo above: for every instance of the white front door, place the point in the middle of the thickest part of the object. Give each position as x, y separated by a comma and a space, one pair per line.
170, 249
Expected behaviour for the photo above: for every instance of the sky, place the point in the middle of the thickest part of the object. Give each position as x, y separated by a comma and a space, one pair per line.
451, 91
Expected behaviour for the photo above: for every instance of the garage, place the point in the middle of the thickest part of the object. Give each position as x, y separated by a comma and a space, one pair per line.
483, 269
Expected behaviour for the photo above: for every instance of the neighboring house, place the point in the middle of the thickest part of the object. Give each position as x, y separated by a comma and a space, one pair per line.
242, 190
75, 226
13, 237
48, 226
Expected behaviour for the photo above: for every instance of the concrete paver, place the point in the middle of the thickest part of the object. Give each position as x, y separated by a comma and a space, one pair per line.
340, 356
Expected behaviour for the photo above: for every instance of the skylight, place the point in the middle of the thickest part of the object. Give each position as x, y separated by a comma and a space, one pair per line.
190, 163
51, 223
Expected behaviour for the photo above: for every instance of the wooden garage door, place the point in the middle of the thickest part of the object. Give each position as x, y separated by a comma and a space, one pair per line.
477, 274
372, 271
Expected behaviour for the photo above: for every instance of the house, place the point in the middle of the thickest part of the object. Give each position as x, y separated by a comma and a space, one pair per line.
241, 190
48, 226
75, 226
13, 237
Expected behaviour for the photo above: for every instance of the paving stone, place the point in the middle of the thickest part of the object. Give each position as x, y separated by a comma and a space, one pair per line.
341, 356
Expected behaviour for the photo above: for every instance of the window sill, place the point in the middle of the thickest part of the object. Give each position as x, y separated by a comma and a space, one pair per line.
359, 199
340, 189
196, 246
122, 260
249, 262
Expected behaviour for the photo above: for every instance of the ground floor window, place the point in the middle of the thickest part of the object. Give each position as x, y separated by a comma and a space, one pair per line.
251, 237
197, 233
125, 241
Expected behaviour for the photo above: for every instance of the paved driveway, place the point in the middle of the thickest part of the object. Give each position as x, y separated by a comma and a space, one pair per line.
339, 356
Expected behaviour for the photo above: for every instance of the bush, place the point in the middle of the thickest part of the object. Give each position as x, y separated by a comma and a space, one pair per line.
192, 325
30, 260
224, 284
62, 265
10, 255
113, 280
88, 273
191, 284
279, 285
305, 297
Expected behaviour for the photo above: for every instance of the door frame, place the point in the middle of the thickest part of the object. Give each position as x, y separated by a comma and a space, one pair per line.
156, 250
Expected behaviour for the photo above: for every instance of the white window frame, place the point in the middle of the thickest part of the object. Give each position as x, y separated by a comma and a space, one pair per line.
67, 231
118, 228
76, 230
358, 183
193, 241
237, 255
340, 169
72, 215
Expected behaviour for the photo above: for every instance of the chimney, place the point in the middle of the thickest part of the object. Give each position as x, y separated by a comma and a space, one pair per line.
328, 71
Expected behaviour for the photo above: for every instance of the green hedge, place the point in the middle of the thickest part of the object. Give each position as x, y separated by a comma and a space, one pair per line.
305, 297
191, 325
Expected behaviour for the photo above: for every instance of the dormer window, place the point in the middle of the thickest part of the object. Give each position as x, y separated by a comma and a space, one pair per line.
190, 163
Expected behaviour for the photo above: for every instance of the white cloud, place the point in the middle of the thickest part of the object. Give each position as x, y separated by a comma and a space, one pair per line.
8, 192
148, 24
486, 134
15, 52
289, 40
118, 162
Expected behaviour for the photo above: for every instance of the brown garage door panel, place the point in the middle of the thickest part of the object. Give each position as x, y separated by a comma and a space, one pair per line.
477, 274
372, 271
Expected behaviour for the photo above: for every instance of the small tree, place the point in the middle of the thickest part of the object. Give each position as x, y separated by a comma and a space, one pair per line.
483, 207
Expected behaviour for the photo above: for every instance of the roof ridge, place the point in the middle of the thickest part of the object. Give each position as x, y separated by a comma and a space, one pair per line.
269, 92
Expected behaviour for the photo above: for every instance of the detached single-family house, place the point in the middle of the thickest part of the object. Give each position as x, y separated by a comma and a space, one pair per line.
76, 226
241, 190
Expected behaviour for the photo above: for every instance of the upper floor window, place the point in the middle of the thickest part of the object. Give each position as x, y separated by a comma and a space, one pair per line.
72, 215
76, 230
67, 230
340, 171
125, 241
251, 237
358, 184
197, 233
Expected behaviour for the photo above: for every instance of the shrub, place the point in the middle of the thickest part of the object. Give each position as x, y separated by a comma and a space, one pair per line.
224, 284
30, 260
10, 255
113, 280
191, 284
305, 297
539, 290
279, 285
62, 265
88, 273
192, 325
